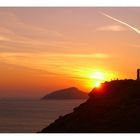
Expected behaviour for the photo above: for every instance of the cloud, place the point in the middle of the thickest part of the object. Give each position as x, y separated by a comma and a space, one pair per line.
123, 23
20, 35
3, 38
24, 28
95, 55
115, 28
49, 61
133, 45
101, 55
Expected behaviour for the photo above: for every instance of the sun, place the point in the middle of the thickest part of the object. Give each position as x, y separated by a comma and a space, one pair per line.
97, 84
94, 77
97, 78
98, 75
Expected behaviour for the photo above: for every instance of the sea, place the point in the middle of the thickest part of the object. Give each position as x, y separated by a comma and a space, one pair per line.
31, 116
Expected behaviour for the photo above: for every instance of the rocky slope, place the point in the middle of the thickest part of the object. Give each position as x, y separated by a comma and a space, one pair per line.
114, 107
68, 93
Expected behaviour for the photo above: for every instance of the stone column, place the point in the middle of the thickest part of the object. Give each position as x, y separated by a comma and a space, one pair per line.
138, 74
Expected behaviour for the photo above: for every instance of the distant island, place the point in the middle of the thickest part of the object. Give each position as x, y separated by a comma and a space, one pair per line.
113, 107
68, 93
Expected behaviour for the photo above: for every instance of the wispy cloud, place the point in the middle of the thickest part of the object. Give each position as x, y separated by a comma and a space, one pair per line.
122, 22
17, 34
115, 28
3, 38
95, 55
25, 29
133, 45
65, 63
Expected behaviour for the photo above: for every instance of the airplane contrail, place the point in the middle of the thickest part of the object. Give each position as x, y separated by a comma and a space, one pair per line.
124, 23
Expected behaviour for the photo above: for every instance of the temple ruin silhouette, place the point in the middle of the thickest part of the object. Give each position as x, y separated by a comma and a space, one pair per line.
138, 74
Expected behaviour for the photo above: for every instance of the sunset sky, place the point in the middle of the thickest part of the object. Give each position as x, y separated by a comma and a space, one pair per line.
44, 49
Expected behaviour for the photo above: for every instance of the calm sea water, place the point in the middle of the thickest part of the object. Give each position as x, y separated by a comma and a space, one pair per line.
30, 115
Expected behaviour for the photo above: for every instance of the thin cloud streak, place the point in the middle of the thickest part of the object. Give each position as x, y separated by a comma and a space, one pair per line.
115, 28
95, 55
67, 64
124, 23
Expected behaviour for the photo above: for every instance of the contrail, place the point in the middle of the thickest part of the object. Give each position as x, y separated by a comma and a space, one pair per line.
131, 27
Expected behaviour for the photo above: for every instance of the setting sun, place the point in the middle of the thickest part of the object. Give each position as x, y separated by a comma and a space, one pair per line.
96, 77
97, 84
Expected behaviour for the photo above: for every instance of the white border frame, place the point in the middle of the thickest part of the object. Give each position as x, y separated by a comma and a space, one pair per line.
69, 3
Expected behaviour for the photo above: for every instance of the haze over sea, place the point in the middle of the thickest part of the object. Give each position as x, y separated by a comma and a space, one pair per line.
26, 116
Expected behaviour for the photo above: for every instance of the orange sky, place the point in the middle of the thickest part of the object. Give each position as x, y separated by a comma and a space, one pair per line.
44, 49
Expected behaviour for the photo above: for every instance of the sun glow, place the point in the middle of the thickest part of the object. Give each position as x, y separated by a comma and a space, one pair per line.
97, 84
98, 78
98, 75
95, 78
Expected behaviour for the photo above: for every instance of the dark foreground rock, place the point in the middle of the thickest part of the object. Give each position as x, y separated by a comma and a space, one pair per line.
114, 107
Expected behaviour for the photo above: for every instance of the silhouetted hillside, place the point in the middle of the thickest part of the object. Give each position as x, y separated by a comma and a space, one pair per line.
68, 93
114, 107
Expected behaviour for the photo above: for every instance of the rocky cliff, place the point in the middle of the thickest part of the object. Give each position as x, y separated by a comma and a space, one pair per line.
114, 107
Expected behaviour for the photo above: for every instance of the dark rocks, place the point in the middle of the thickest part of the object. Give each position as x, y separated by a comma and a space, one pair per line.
114, 107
